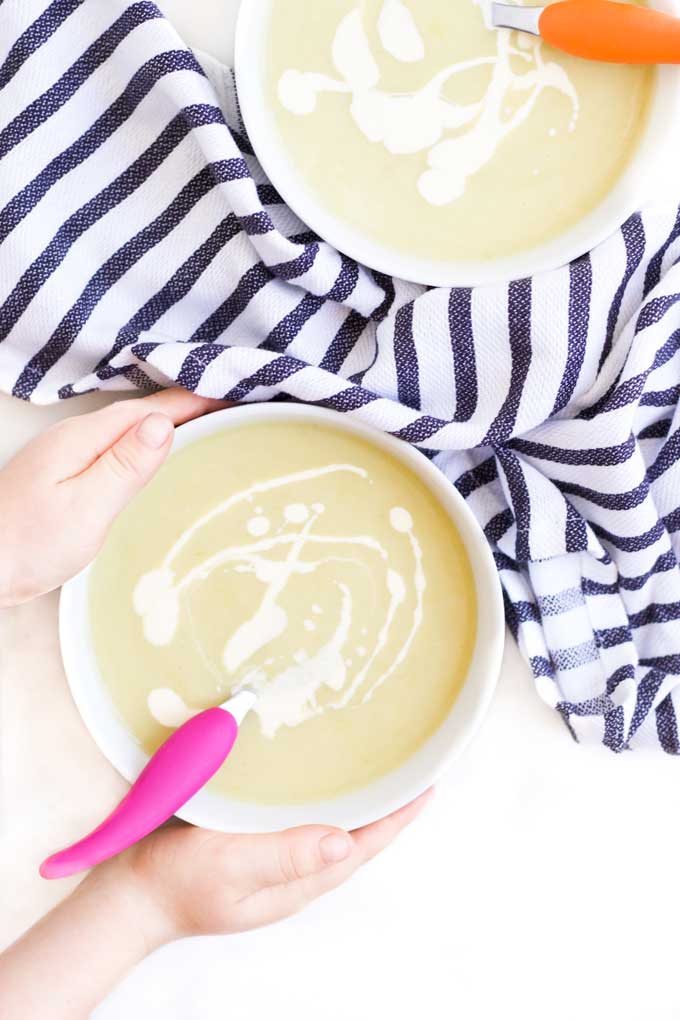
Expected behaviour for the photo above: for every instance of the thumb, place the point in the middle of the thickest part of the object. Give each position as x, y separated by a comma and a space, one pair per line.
284, 871
127, 465
285, 857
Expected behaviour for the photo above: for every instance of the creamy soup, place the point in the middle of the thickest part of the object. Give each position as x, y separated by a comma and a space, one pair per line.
434, 135
307, 565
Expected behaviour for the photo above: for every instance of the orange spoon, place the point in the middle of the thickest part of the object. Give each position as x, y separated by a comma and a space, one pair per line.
619, 33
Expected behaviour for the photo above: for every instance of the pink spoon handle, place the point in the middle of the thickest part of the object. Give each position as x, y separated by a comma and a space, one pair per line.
178, 770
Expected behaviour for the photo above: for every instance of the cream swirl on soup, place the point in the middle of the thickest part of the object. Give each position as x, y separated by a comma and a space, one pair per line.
424, 131
410, 122
289, 544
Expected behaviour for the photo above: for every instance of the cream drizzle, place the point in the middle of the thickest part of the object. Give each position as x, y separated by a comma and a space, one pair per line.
399, 33
408, 123
290, 695
169, 708
255, 490
290, 698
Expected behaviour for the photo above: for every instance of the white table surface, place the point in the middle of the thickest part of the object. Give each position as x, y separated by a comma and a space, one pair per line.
540, 884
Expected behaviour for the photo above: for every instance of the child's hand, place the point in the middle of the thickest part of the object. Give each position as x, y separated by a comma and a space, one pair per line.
61, 493
179, 881
202, 883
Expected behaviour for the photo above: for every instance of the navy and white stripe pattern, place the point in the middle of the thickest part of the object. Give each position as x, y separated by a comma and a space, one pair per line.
140, 245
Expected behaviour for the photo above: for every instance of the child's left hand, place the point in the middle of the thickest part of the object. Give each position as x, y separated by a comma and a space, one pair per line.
62, 492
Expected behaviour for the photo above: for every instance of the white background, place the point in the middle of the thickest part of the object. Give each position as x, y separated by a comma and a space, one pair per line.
539, 885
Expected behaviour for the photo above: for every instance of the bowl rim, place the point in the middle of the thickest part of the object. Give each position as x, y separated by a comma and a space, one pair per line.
383, 795
640, 181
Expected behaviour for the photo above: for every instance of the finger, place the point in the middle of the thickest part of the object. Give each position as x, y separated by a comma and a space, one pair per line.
371, 839
282, 858
76, 443
182, 405
297, 854
125, 468
105, 427
273, 901
270, 903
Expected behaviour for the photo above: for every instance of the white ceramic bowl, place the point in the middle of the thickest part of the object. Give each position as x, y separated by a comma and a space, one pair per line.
646, 174
386, 794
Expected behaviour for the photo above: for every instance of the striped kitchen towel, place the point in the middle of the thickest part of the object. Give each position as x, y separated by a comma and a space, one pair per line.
141, 245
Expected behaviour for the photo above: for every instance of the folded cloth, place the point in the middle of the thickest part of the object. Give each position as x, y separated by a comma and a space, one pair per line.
141, 245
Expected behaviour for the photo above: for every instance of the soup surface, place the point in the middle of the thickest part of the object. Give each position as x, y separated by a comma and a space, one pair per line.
308, 565
434, 135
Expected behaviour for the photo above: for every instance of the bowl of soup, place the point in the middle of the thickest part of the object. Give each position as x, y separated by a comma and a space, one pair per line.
423, 143
328, 567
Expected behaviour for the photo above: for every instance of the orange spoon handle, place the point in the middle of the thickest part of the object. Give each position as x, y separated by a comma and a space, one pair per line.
614, 32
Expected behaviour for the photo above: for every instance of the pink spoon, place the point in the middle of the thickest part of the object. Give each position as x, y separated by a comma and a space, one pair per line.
179, 769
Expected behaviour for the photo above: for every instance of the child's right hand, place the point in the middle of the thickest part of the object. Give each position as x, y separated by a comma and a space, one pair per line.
199, 883
179, 881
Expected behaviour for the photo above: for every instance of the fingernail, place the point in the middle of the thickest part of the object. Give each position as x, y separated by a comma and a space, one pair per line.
155, 431
335, 847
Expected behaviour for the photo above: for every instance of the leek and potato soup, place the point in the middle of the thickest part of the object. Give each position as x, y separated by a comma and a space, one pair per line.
436, 136
308, 565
